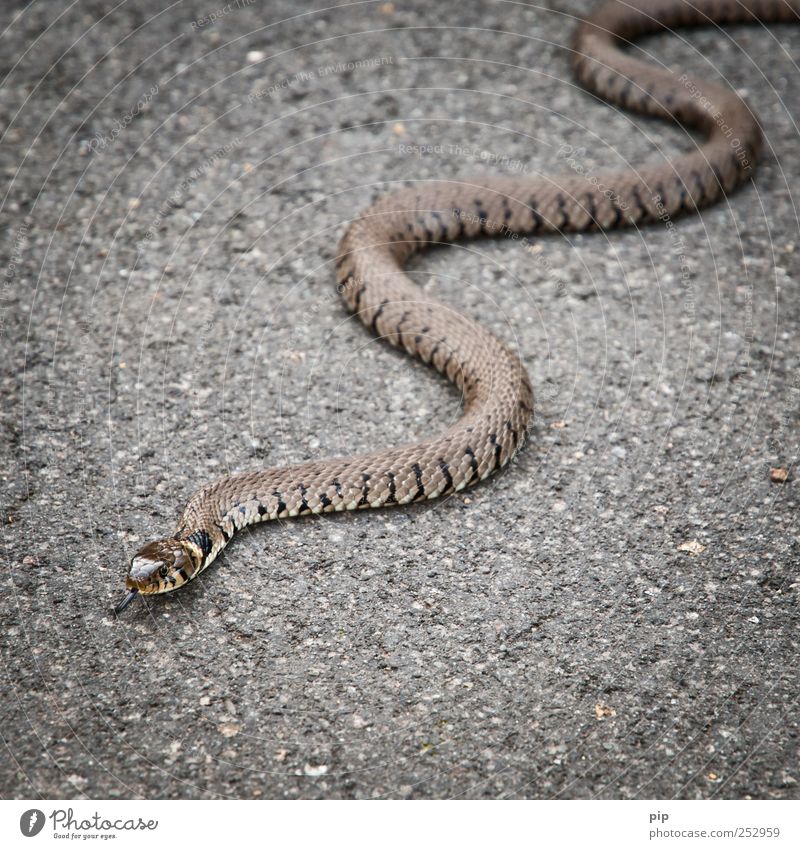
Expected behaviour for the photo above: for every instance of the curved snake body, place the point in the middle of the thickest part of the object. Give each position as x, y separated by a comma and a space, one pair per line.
498, 399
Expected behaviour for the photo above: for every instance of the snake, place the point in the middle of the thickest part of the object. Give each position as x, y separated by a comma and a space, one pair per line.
497, 396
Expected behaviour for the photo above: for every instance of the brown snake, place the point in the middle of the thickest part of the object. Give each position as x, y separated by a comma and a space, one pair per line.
498, 399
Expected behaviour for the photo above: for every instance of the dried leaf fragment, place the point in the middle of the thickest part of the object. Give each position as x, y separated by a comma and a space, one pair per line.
603, 711
691, 546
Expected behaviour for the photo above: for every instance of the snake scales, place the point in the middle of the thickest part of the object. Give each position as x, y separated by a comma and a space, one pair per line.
498, 399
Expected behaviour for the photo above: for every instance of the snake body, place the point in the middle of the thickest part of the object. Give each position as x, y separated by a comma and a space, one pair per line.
498, 399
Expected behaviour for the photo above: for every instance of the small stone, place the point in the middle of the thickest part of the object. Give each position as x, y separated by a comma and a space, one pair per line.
315, 771
604, 711
692, 546
254, 56
779, 475
230, 729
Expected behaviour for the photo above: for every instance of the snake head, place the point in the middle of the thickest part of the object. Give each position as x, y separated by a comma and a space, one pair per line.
159, 567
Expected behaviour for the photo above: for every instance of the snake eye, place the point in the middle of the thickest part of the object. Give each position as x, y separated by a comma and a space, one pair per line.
163, 571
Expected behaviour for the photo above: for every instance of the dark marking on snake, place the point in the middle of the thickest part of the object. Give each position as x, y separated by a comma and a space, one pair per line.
364, 490
446, 472
473, 462
281, 506
418, 475
392, 488
202, 540
374, 322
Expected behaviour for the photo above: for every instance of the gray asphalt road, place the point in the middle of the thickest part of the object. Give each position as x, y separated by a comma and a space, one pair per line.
614, 616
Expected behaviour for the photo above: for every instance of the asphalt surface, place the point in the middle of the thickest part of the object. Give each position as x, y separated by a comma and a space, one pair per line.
615, 616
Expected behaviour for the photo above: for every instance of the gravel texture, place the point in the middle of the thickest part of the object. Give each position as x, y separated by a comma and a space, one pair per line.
615, 616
